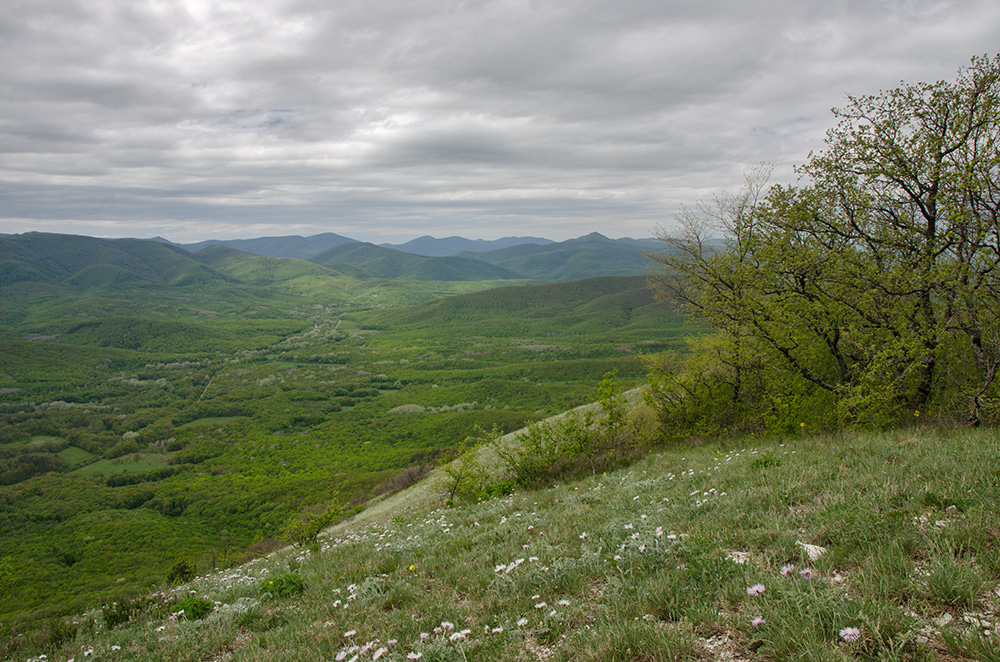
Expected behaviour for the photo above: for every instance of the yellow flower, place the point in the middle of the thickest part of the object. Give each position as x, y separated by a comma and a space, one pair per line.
916, 413
412, 568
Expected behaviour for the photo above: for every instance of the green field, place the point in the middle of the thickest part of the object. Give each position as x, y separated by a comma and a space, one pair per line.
74, 456
134, 462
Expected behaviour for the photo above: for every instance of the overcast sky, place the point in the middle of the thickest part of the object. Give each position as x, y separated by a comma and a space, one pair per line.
384, 120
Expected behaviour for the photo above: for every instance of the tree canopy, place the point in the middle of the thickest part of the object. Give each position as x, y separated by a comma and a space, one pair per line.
871, 286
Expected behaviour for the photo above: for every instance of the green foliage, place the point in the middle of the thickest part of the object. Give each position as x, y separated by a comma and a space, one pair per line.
693, 590
464, 475
575, 443
953, 584
305, 528
285, 585
979, 644
765, 461
183, 571
194, 609
874, 287
124, 610
6, 573
18, 466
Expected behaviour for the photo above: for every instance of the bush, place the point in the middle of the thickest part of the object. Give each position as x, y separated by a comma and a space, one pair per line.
603, 437
401, 480
305, 529
182, 572
284, 586
125, 609
195, 609
725, 386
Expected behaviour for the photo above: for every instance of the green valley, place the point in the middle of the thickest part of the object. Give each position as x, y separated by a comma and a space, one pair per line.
160, 409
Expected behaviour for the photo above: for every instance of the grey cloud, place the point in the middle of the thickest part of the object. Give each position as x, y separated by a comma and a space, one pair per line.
401, 118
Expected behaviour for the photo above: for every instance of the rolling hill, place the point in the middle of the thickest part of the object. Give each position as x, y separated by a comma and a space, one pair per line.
591, 307
286, 246
87, 262
584, 257
381, 262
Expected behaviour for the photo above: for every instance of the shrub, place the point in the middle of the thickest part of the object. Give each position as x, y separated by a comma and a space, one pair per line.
284, 586
122, 611
195, 609
182, 572
603, 437
305, 529
401, 480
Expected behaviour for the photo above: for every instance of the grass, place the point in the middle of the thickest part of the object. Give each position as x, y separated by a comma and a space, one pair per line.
76, 457
694, 553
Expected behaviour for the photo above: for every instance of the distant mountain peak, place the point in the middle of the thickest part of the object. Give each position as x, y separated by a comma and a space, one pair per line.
433, 247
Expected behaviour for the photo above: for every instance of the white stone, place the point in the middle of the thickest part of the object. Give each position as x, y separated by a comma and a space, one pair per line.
943, 620
813, 552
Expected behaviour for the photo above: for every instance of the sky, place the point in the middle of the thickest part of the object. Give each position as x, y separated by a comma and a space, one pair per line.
384, 120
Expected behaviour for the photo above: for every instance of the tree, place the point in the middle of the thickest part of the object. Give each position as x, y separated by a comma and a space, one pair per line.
878, 279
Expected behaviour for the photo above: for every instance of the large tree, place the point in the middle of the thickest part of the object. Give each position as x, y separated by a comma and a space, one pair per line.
877, 278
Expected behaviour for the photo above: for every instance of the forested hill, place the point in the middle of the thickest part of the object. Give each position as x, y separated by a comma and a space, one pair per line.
380, 262
84, 262
534, 258
285, 246
584, 257
584, 306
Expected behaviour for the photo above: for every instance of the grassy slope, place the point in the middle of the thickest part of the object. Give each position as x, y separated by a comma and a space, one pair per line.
651, 562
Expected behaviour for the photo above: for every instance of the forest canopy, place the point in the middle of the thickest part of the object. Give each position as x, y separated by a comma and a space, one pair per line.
867, 293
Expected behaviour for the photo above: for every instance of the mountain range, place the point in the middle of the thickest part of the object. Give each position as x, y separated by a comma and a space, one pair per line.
81, 261
434, 247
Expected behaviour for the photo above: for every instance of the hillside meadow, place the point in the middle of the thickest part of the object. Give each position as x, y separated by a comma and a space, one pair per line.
850, 547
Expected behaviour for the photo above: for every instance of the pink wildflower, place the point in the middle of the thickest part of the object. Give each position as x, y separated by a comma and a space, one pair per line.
850, 635
756, 589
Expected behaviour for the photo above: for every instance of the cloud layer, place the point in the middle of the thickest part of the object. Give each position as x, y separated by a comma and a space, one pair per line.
388, 119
